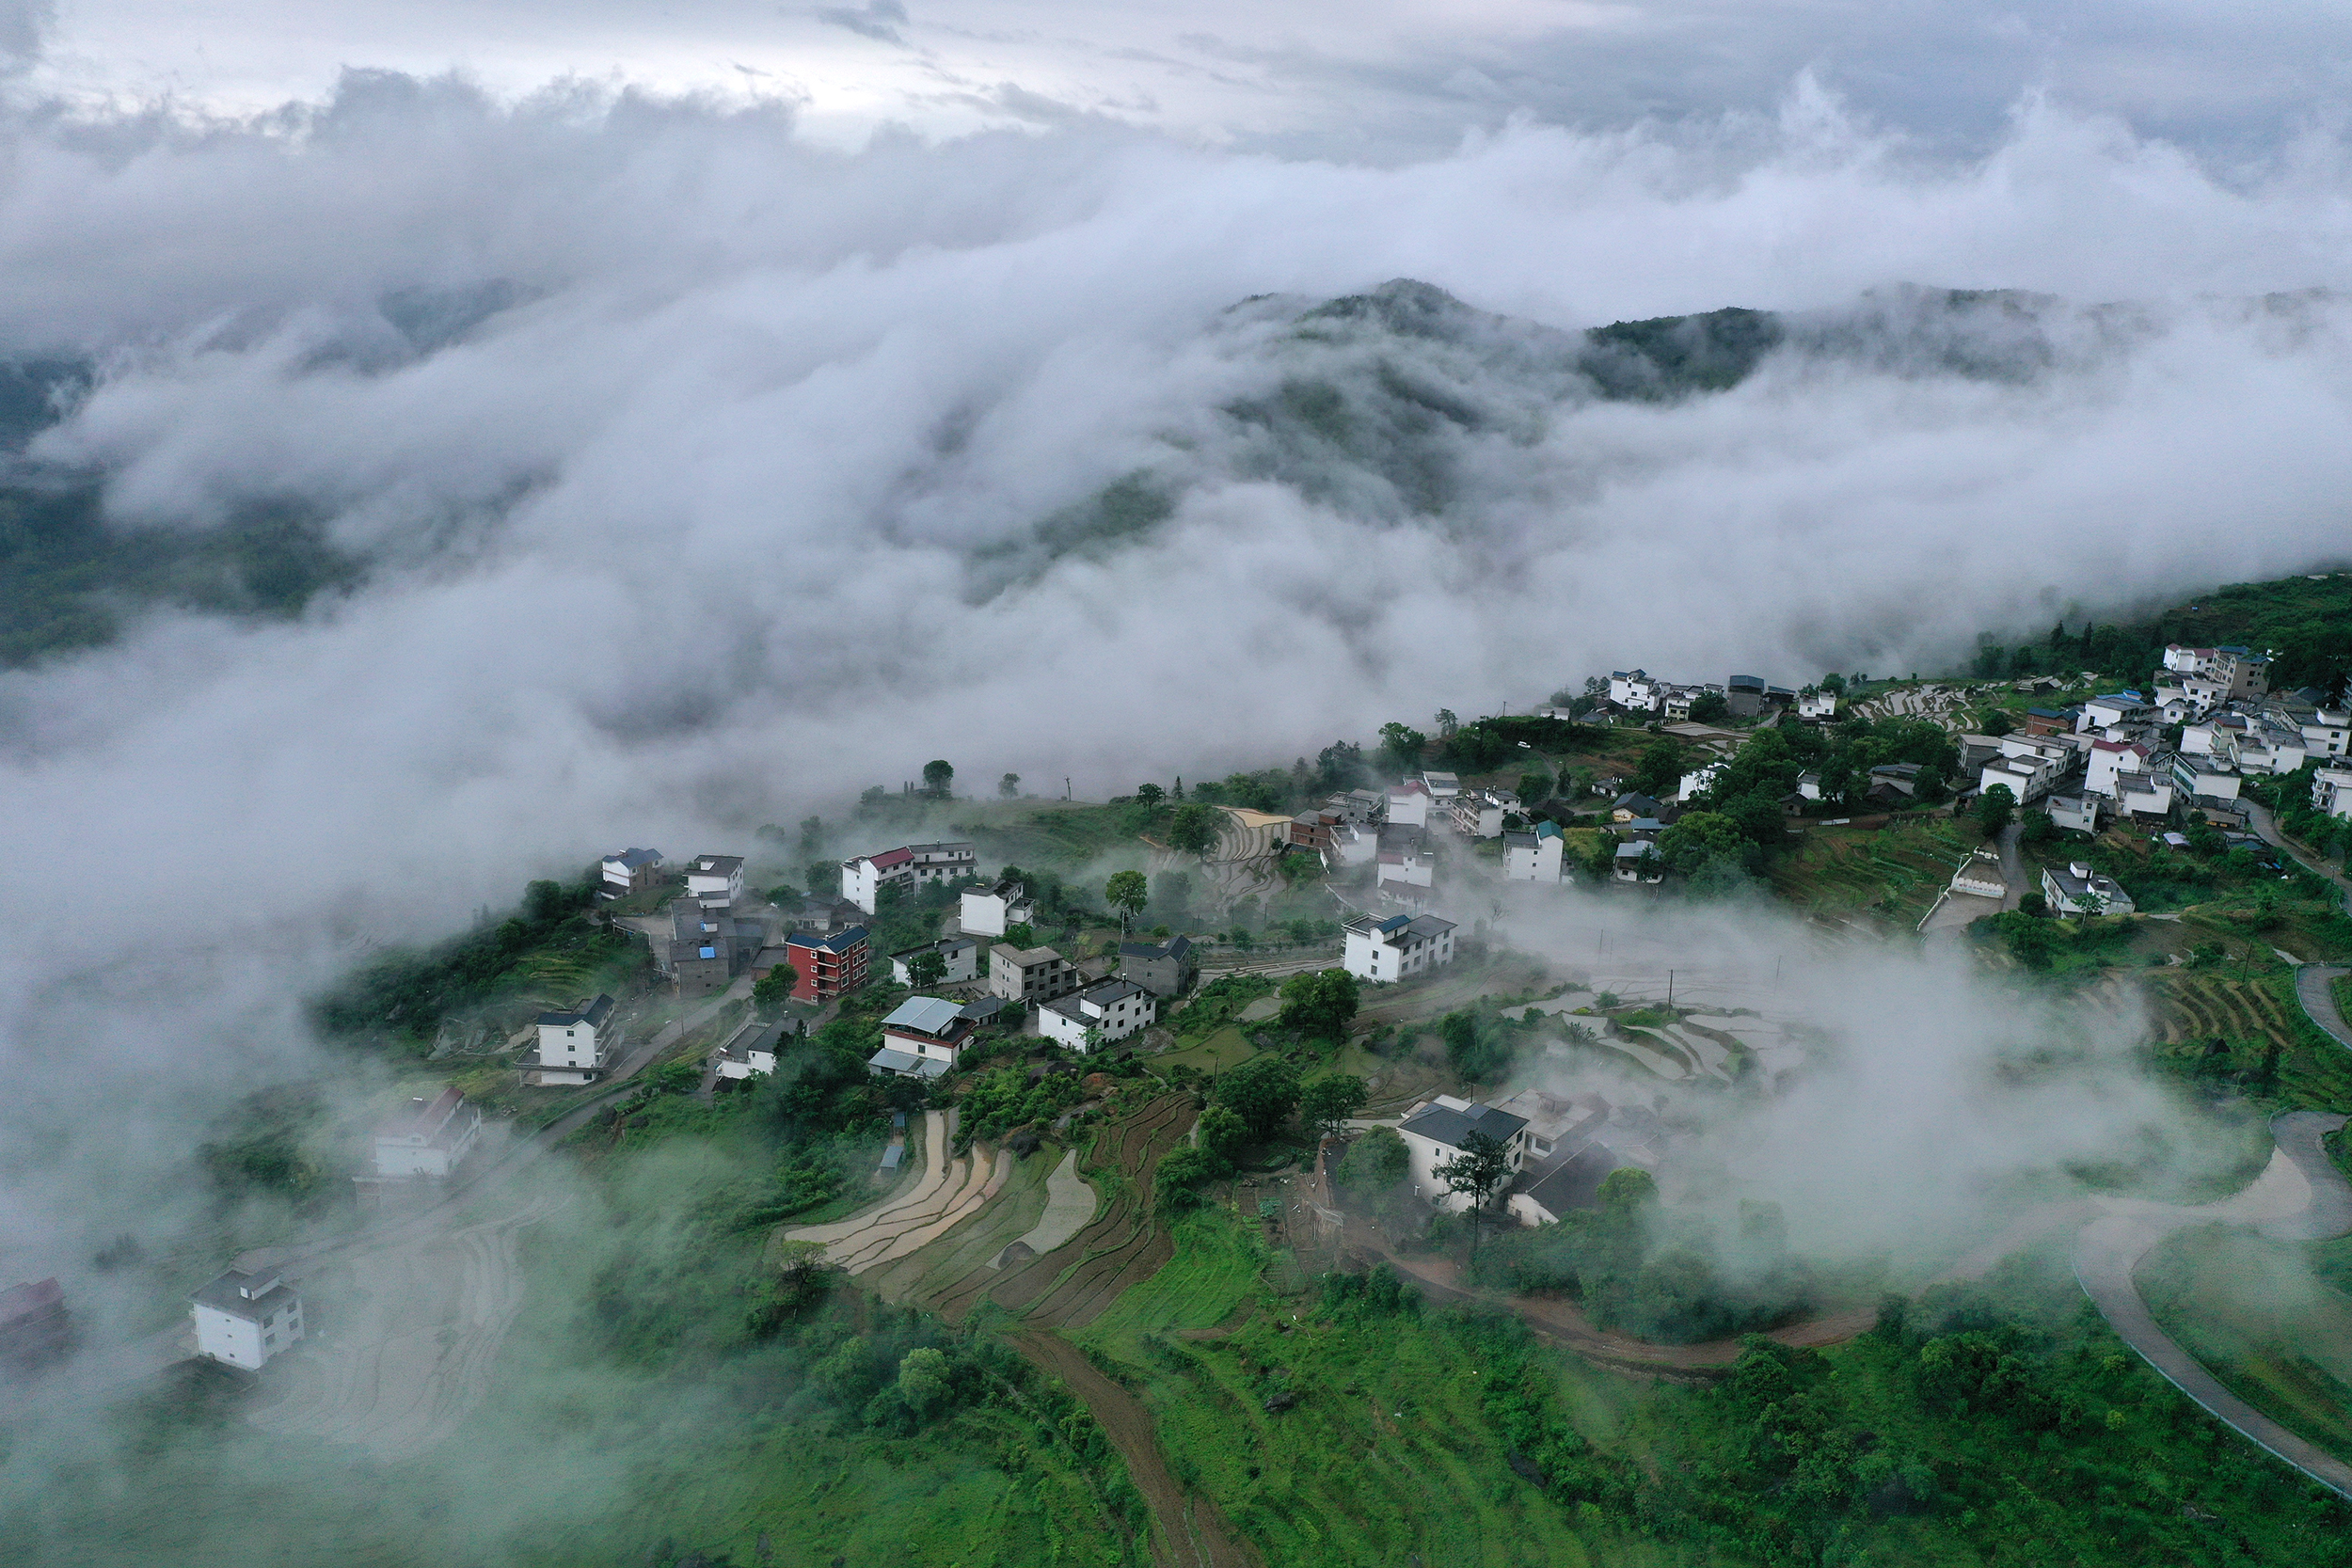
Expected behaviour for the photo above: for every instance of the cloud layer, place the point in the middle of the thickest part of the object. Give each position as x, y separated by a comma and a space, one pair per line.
704, 473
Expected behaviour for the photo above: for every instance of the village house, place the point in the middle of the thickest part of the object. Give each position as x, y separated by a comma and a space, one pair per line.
2146, 795
2051, 721
1442, 787
2118, 715
1628, 806
1357, 805
428, 1138
2105, 760
1637, 861
1696, 781
707, 946
246, 1320
1533, 857
1164, 969
2332, 791
1314, 830
2076, 889
922, 1037
715, 878
829, 963
1406, 867
1817, 704
1113, 1010
1397, 947
2077, 813
751, 1052
2206, 777
961, 956
630, 871
990, 912
1744, 694
1479, 813
1633, 691
908, 866
1409, 804
1030, 976
1436, 1130
574, 1045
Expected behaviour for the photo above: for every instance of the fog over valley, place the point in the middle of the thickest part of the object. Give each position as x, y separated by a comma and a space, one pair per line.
418, 482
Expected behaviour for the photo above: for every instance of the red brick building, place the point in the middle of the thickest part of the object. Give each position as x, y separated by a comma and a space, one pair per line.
828, 965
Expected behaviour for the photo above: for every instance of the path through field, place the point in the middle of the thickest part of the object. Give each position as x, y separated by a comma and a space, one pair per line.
410, 1356
951, 1192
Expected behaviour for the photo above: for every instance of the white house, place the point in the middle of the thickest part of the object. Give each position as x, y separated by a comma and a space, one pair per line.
1397, 947
2112, 713
961, 954
1638, 861
1809, 785
628, 872
2079, 813
2183, 659
1115, 1008
574, 1046
1409, 804
1436, 1130
910, 865
1533, 857
1699, 778
2327, 732
1405, 868
2077, 889
1816, 704
1441, 787
1479, 813
2020, 777
987, 911
2148, 794
2332, 791
2106, 759
922, 1037
429, 1137
1633, 688
715, 878
246, 1319
2205, 776
751, 1051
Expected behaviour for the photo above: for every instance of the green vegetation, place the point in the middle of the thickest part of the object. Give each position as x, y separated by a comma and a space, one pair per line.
552, 950
2257, 1318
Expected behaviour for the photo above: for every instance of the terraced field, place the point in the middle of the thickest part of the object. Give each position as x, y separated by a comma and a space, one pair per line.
950, 1193
1898, 870
1121, 1246
1213, 1273
2194, 1008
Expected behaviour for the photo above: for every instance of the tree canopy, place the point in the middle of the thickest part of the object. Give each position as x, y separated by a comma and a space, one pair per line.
1320, 1003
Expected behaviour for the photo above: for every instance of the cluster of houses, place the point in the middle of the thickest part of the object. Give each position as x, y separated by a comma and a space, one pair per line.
1638, 694
2108, 759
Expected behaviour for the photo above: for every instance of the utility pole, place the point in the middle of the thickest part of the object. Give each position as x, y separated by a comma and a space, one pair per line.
1670, 991
1065, 786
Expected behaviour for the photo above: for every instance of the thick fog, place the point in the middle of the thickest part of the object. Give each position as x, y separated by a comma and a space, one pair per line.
697, 473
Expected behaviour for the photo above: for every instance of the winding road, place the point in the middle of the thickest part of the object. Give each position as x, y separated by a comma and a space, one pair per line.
2314, 987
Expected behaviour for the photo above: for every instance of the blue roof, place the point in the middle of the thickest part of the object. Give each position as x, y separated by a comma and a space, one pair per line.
848, 936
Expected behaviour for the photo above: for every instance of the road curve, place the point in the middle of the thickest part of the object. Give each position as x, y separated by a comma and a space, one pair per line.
2299, 1196
2314, 989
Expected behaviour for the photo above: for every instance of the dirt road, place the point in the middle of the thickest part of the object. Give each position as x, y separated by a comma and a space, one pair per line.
2314, 988
1188, 1531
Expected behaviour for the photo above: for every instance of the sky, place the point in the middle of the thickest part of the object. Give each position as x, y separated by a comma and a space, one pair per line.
722, 401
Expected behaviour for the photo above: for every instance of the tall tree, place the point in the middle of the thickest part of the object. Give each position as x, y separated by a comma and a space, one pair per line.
1995, 807
1263, 1091
1010, 785
1127, 891
1320, 1003
1326, 1103
1482, 1165
939, 776
774, 989
1193, 829
927, 968
1150, 795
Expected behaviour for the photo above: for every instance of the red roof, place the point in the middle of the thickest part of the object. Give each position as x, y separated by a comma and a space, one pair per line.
889, 858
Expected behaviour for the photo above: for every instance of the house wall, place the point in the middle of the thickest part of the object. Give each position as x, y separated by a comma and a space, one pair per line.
568, 1045
239, 1341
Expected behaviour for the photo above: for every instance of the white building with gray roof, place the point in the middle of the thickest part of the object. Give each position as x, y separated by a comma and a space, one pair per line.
245, 1319
1436, 1130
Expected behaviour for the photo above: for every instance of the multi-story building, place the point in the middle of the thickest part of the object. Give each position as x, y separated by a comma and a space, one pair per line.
2332, 791
715, 878
1396, 947
1164, 969
990, 912
247, 1319
576, 1044
2076, 889
1633, 691
630, 871
1479, 813
1111, 1011
1533, 857
908, 866
961, 956
1030, 976
1409, 804
428, 1138
922, 1039
1437, 1130
828, 963
1406, 869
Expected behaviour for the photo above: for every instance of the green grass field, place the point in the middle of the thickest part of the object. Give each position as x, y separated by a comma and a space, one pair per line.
1895, 872
2251, 1311
1224, 1049
1214, 1274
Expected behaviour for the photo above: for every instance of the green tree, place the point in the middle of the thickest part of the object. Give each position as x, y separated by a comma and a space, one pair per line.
1709, 707
1326, 1103
1010, 785
1223, 1132
1320, 1003
1127, 891
1627, 1188
772, 990
1483, 1165
939, 776
1150, 795
1375, 1162
927, 968
1995, 808
824, 879
1534, 790
1401, 746
1476, 1052
1193, 829
1021, 934
1171, 896
923, 1382
1263, 1091
1699, 837
2040, 829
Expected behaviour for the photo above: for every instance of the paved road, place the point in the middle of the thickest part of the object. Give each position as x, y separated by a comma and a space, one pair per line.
2014, 865
2312, 987
2302, 1196
2267, 828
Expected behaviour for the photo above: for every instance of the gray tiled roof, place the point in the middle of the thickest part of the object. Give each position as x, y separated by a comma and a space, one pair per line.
1445, 1125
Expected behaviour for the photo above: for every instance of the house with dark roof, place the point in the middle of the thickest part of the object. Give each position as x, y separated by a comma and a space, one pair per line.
1397, 947
576, 1044
715, 878
245, 1319
1163, 968
1436, 1129
630, 871
751, 1052
959, 955
829, 963
1112, 1010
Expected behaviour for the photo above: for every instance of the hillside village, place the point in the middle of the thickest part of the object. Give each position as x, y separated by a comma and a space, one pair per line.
1367, 1010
